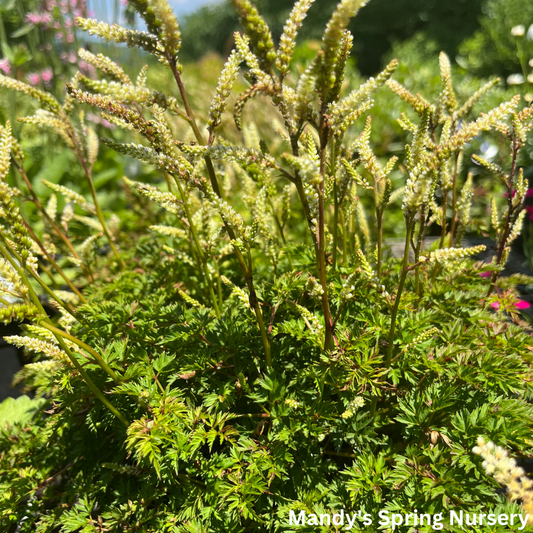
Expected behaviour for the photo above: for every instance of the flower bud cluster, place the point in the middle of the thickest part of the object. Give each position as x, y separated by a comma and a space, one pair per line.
332, 39
169, 231
230, 217
352, 407
314, 288
237, 291
418, 103
516, 228
106, 65
191, 301
166, 200
445, 255
177, 167
287, 41
311, 320
258, 32
448, 99
18, 312
48, 102
419, 339
472, 129
38, 346
47, 119
118, 34
225, 84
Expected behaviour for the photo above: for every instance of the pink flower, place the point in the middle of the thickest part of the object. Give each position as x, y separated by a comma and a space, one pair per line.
47, 75
106, 124
34, 78
495, 305
512, 195
70, 37
5, 67
529, 210
33, 18
485, 274
529, 192
522, 304
46, 18
59, 35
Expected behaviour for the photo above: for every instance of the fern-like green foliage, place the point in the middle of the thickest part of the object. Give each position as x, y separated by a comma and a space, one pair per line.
241, 345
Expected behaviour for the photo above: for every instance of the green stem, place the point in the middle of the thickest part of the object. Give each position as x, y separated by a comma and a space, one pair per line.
509, 214
97, 392
335, 202
99, 212
454, 198
254, 304
321, 256
44, 286
88, 349
419, 241
54, 264
403, 275
201, 254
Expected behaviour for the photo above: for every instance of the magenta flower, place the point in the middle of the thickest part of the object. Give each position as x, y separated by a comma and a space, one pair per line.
529, 210
529, 192
34, 78
47, 75
520, 304
5, 67
485, 274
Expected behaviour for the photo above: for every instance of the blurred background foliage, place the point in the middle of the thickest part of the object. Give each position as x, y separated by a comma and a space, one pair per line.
379, 25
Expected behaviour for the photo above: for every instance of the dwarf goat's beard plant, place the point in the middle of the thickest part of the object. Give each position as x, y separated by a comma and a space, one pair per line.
249, 348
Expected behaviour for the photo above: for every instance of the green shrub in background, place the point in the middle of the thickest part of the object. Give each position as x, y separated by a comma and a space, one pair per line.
504, 43
380, 24
238, 345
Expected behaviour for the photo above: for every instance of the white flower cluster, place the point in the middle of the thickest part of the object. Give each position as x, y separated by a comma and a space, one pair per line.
314, 288
517, 227
169, 231
497, 463
311, 320
292, 403
353, 406
237, 291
